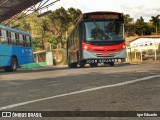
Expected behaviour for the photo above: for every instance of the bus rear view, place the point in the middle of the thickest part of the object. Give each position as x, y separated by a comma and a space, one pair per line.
100, 39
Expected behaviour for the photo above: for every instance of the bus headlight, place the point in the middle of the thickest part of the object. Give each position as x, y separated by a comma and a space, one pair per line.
124, 47
87, 48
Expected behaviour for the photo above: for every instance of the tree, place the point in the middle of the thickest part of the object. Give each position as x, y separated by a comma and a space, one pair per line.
142, 28
129, 25
60, 18
54, 41
36, 43
52, 28
156, 22
127, 19
25, 26
44, 28
74, 15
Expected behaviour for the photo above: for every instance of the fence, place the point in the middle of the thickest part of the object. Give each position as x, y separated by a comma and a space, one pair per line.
143, 53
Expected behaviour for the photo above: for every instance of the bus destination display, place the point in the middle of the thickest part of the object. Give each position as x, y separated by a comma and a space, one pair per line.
102, 16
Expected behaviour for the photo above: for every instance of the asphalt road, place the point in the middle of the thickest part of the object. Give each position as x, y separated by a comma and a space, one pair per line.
125, 87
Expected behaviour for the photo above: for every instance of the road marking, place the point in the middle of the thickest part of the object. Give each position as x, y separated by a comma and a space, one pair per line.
78, 92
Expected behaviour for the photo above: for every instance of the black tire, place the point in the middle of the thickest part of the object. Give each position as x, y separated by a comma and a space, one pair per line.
82, 64
93, 64
72, 65
69, 65
111, 64
13, 66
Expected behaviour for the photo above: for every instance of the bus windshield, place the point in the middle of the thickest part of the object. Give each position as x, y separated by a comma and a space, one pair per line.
104, 31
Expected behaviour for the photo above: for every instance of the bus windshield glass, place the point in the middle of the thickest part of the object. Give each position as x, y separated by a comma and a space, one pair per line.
104, 30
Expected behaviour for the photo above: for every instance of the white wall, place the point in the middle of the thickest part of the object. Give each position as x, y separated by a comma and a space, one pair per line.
145, 41
142, 44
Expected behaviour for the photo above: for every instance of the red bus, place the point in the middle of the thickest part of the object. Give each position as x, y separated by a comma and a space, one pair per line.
97, 38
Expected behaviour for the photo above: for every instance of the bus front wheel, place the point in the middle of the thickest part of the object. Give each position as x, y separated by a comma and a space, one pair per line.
93, 64
82, 64
13, 65
111, 64
72, 65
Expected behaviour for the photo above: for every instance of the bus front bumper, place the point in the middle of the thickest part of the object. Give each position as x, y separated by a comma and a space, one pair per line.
104, 60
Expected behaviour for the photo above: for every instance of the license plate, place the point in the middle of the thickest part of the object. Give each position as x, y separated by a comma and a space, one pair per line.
103, 61
107, 60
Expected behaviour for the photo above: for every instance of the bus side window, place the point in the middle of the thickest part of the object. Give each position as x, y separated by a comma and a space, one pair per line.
69, 40
28, 41
13, 38
77, 37
9, 37
82, 30
17, 38
4, 36
68, 45
20, 40
24, 41
72, 39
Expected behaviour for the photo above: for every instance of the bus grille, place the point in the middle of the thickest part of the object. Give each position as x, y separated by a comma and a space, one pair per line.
102, 55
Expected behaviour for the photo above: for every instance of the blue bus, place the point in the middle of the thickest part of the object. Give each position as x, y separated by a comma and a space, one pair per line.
15, 48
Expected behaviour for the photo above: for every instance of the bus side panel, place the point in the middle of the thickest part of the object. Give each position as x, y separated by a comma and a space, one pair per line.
28, 55
72, 54
81, 37
1, 56
13, 51
19, 52
24, 55
7, 55
73, 45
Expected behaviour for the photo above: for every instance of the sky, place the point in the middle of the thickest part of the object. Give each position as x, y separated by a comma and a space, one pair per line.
135, 8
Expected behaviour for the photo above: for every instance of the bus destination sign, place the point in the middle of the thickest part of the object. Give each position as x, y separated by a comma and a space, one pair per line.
109, 16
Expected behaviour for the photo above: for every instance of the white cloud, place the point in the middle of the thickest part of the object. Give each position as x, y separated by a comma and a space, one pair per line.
136, 8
